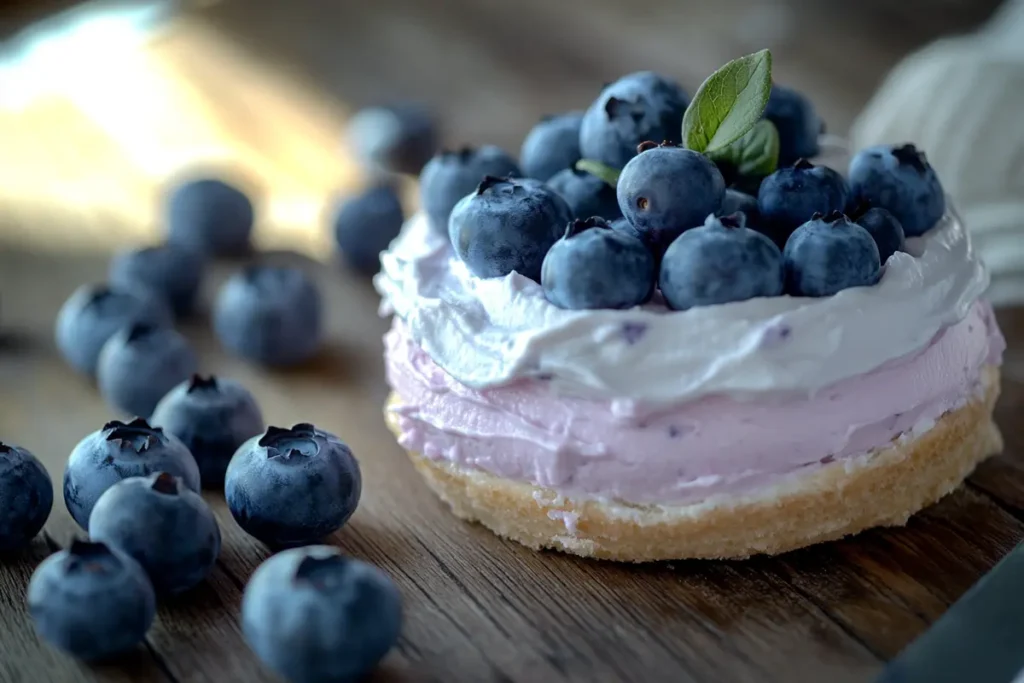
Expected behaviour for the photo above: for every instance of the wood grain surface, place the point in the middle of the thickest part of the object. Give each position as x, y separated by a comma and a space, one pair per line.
261, 91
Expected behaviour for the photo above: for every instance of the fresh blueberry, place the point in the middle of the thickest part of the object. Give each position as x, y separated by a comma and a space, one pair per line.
211, 217
292, 487
212, 417
140, 364
91, 601
637, 107
665, 190
900, 179
450, 176
885, 229
270, 314
790, 196
797, 122
552, 145
316, 616
27, 496
719, 263
596, 266
172, 273
161, 524
827, 255
586, 194
740, 202
508, 225
118, 451
365, 225
94, 313
393, 139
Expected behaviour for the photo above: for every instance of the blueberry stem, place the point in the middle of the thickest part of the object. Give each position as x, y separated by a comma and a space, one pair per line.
803, 164
646, 145
583, 224
4, 448
199, 382
165, 483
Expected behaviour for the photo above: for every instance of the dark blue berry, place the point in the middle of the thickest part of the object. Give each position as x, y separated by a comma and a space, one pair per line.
596, 266
586, 194
366, 224
450, 176
790, 196
292, 487
553, 145
797, 122
827, 255
27, 495
721, 262
508, 225
885, 229
212, 417
637, 107
172, 273
397, 138
900, 179
210, 216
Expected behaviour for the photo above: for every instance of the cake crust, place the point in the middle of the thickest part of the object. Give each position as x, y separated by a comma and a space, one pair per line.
883, 488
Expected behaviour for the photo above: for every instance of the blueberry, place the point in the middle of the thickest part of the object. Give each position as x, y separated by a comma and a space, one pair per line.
637, 107
665, 190
270, 315
292, 487
551, 146
210, 216
596, 266
508, 225
740, 202
140, 364
885, 229
161, 524
316, 616
900, 179
719, 263
212, 417
91, 601
118, 451
27, 496
790, 196
450, 176
172, 273
827, 255
586, 194
91, 316
397, 138
365, 225
797, 122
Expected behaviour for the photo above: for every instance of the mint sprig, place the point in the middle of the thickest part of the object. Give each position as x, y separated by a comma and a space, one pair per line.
603, 171
729, 103
756, 154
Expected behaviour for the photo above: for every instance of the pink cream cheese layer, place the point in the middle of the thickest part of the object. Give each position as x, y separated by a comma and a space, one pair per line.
712, 446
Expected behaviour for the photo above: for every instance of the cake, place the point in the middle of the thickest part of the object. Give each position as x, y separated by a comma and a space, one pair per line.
782, 377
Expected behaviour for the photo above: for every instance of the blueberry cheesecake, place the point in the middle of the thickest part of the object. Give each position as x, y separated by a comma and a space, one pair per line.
772, 347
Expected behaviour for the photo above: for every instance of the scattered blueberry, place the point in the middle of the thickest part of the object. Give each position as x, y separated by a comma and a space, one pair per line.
508, 225
829, 254
316, 616
172, 273
292, 487
666, 190
797, 122
900, 179
790, 196
551, 146
161, 524
736, 202
118, 451
885, 229
94, 313
140, 364
393, 139
450, 176
586, 194
595, 266
27, 496
719, 263
91, 601
366, 224
637, 107
210, 216
270, 315
212, 417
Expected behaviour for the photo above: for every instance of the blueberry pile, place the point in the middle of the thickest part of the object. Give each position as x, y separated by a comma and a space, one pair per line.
710, 200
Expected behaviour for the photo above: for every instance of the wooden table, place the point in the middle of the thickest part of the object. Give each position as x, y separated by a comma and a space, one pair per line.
80, 170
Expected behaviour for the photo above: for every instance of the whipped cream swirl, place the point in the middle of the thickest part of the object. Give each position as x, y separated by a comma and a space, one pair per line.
487, 333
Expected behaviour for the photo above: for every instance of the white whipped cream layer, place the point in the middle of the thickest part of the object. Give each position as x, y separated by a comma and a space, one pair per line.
491, 332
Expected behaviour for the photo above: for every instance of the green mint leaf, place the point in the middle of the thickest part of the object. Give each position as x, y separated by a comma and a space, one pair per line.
596, 168
728, 103
754, 155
